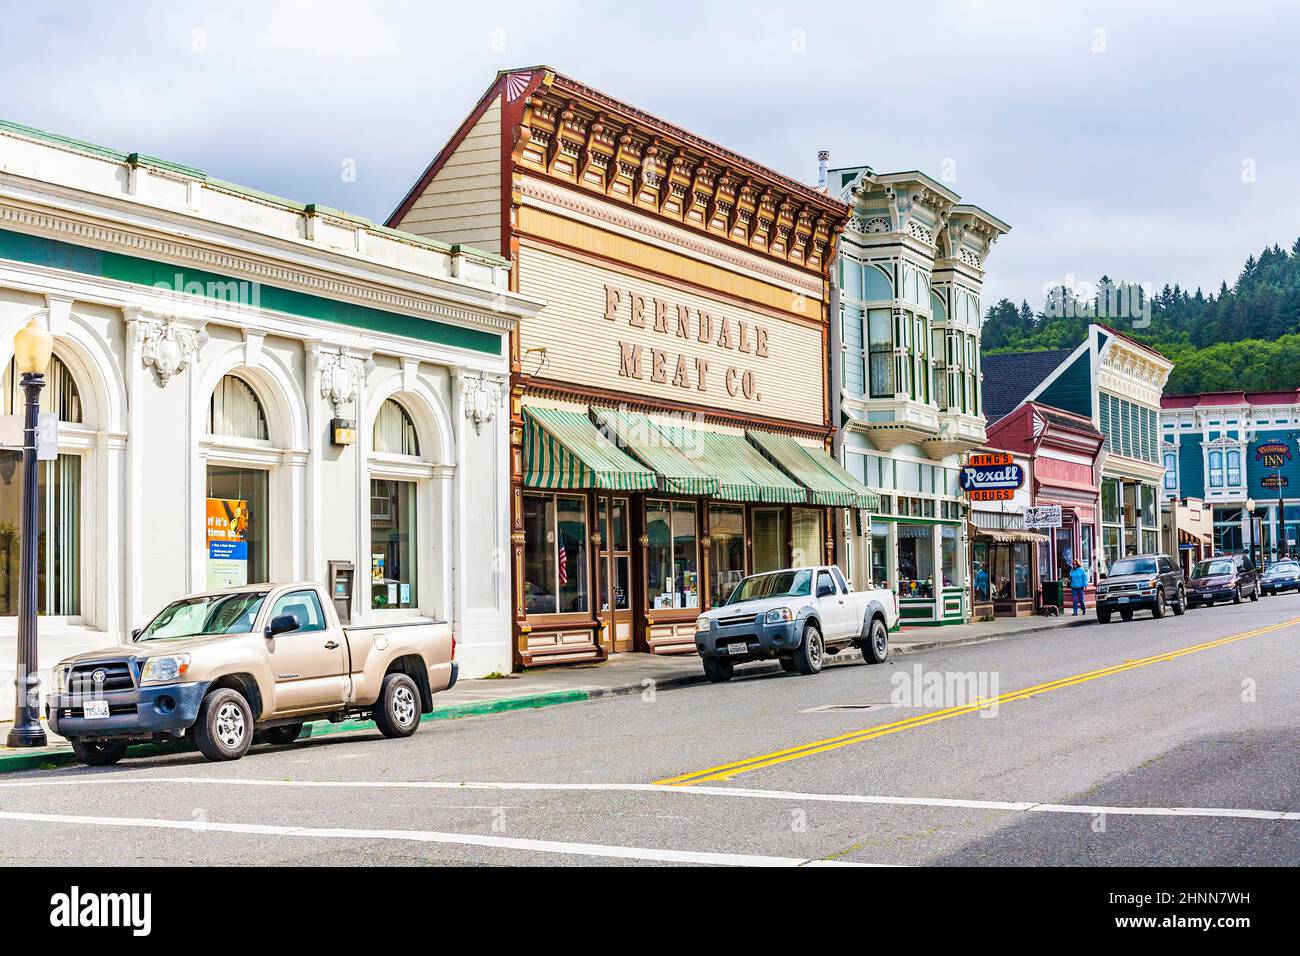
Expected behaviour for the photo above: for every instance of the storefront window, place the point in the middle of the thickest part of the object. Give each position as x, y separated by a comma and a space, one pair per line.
806, 533
672, 578
1150, 545
1086, 547
555, 554
880, 554
916, 560
59, 395
727, 550
58, 533
1148, 500
769, 539
1110, 545
948, 555
236, 526
1064, 552
1020, 569
980, 565
392, 544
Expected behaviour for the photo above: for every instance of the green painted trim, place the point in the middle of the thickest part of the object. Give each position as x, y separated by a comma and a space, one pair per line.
53, 253
49, 759
897, 520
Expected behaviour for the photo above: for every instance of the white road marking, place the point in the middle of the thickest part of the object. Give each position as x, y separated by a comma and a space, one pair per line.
1017, 806
433, 836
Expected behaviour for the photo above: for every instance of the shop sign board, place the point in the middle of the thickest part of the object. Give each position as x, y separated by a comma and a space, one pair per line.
1274, 481
1043, 517
227, 531
992, 477
1273, 454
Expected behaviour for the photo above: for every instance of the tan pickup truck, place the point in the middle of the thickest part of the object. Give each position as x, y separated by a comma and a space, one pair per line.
256, 660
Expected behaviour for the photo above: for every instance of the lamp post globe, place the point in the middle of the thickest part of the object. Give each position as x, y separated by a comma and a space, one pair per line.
33, 346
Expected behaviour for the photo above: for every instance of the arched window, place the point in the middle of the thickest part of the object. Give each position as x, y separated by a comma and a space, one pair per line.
394, 431
235, 411
59, 394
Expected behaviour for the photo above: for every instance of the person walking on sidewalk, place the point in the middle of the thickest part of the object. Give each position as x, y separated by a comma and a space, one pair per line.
1078, 583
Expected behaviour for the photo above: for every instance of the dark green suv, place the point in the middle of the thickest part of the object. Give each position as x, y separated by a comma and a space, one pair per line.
1146, 582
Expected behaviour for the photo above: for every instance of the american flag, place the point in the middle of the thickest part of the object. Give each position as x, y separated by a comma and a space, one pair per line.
564, 565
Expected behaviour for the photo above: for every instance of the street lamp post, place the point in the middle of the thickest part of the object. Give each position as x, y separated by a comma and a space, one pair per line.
32, 348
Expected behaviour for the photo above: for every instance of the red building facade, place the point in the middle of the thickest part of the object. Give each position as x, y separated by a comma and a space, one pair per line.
1067, 452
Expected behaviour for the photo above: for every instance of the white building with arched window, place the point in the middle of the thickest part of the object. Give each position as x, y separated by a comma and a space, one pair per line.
334, 388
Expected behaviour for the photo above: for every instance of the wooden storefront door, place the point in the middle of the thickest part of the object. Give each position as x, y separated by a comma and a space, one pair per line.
613, 515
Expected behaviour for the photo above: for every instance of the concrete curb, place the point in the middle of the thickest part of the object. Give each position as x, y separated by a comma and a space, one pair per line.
49, 759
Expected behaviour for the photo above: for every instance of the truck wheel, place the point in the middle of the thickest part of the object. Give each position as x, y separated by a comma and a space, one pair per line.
397, 711
1236, 595
787, 664
876, 649
1254, 595
1103, 615
224, 730
717, 670
811, 652
1159, 610
1181, 606
98, 753
283, 734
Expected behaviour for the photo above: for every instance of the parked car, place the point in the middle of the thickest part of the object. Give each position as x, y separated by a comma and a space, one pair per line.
1229, 577
1149, 582
1280, 576
263, 659
797, 616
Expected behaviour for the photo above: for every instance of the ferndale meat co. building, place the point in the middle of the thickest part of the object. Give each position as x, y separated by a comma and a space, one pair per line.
669, 402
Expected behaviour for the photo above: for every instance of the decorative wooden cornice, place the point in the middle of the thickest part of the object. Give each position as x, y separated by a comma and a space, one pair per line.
581, 137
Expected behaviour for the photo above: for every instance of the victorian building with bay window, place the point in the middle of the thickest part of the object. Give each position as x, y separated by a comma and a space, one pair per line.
905, 385
249, 389
669, 403
1116, 382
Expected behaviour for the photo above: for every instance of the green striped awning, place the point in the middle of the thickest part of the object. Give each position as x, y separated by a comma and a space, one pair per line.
563, 449
678, 471
827, 482
743, 473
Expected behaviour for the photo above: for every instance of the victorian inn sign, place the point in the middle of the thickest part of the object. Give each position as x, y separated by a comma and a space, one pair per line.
251, 389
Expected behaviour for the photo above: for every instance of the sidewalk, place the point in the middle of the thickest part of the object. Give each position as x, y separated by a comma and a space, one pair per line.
561, 684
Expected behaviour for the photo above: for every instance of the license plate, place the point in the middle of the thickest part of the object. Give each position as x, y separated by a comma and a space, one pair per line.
94, 709
1123, 600
737, 648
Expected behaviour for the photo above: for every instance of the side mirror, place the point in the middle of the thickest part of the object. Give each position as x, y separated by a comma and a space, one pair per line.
281, 624
135, 635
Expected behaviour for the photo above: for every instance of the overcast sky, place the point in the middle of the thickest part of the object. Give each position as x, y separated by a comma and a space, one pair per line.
1156, 142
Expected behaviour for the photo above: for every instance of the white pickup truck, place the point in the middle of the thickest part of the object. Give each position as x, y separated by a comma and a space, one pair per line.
797, 616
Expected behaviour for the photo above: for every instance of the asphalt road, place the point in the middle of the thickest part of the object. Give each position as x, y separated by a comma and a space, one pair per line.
1154, 742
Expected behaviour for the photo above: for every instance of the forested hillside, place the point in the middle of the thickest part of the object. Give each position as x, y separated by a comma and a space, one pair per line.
1244, 337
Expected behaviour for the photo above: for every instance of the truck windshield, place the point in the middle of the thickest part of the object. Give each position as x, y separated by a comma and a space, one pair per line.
776, 584
1132, 566
207, 614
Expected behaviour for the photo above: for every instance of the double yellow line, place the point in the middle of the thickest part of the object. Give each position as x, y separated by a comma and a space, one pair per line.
728, 770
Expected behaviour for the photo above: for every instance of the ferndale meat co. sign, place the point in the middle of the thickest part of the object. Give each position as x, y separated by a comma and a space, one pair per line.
991, 477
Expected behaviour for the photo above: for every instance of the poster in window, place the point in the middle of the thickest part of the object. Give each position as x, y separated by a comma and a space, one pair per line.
227, 533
